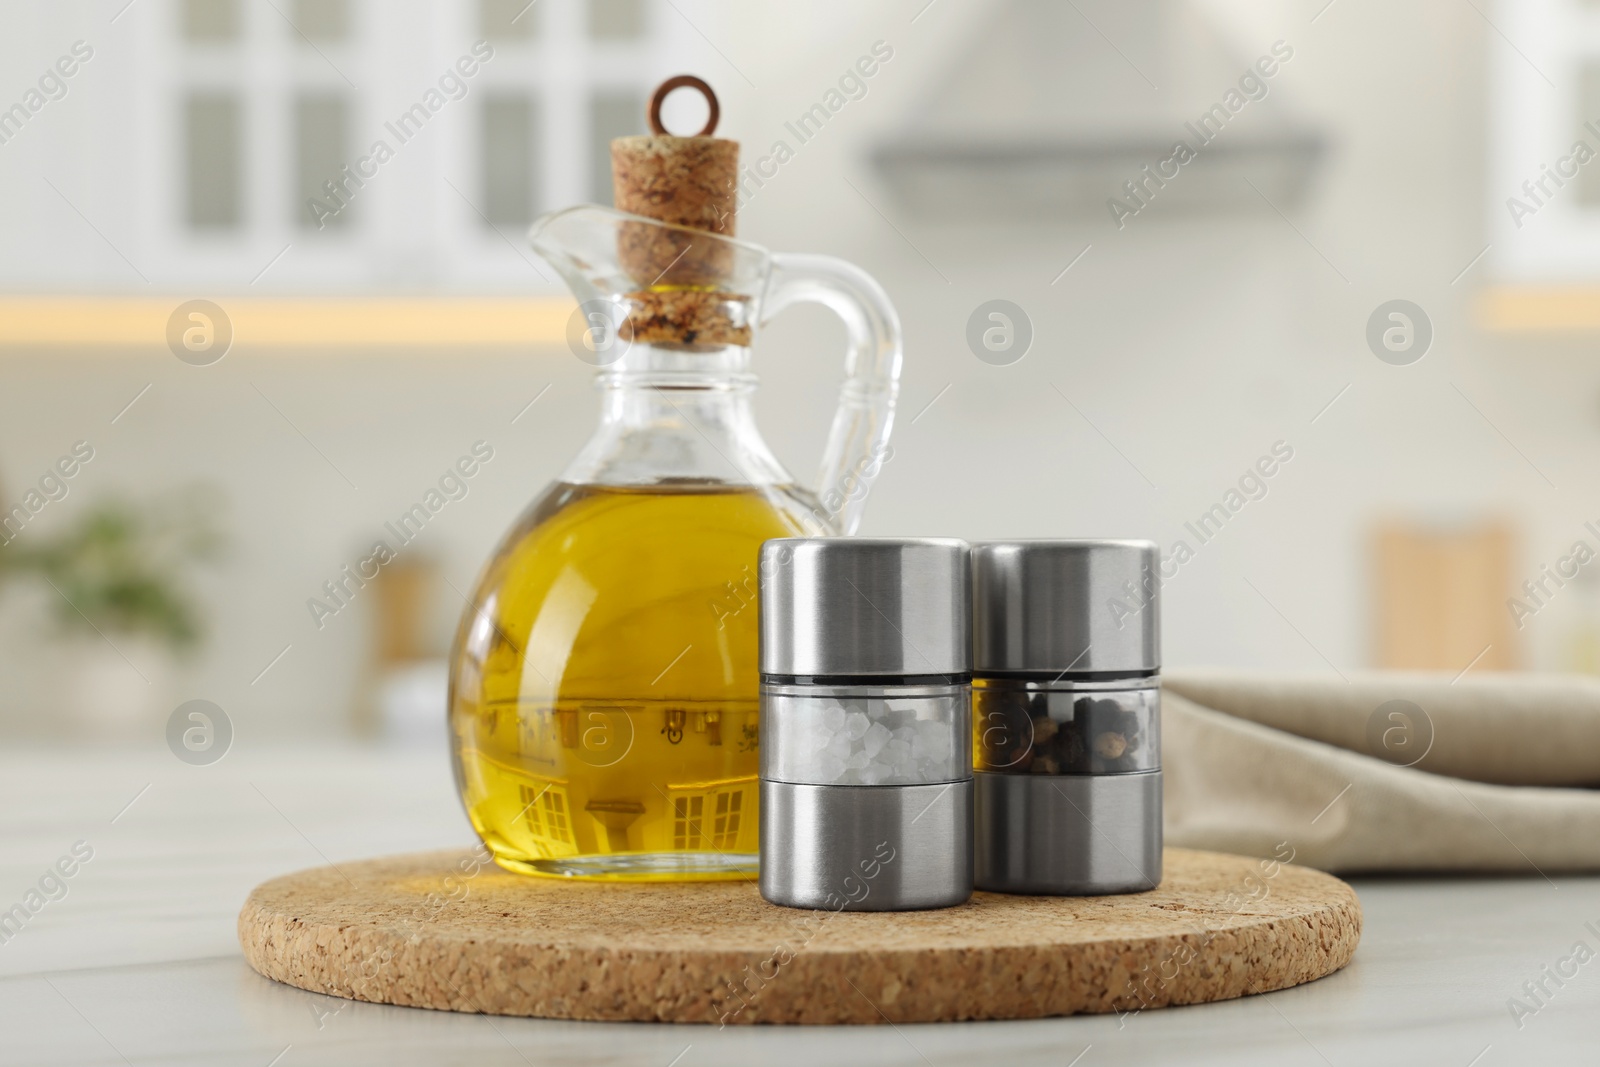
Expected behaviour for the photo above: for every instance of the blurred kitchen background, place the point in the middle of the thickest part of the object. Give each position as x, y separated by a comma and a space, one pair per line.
157, 152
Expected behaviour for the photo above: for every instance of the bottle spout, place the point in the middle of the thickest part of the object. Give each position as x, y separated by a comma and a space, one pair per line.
579, 243
657, 282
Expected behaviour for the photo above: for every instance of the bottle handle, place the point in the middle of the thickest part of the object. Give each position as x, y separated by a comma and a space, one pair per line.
858, 444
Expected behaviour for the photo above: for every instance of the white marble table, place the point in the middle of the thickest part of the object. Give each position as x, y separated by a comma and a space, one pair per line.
138, 962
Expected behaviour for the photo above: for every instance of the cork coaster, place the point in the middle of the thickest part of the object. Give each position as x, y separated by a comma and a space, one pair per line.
447, 930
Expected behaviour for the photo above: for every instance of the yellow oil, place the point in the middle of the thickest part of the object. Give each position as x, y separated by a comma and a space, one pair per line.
603, 690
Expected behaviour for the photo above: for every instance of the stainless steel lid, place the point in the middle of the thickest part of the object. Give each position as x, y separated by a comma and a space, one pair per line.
1067, 606
865, 606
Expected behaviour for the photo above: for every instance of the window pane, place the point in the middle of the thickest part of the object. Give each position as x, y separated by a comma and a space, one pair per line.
510, 131
212, 125
616, 20
1588, 107
611, 114
321, 126
211, 20
508, 20
322, 20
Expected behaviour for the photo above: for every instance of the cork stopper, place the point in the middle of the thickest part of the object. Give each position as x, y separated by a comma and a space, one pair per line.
689, 182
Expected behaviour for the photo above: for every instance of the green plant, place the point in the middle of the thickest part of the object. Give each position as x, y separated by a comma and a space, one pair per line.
121, 566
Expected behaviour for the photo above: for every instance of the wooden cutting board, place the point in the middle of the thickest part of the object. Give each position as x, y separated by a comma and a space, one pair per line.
447, 930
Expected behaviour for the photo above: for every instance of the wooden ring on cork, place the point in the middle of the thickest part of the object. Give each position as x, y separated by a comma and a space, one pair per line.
684, 81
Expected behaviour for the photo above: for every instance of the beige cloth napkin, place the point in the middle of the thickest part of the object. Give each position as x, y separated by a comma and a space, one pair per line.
1503, 782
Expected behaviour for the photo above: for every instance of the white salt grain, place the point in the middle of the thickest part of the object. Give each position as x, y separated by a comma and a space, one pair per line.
839, 746
874, 774
832, 716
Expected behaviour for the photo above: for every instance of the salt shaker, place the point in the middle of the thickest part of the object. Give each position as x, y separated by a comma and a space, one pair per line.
1066, 714
866, 763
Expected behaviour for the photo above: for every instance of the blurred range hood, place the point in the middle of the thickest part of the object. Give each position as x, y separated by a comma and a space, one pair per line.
1060, 102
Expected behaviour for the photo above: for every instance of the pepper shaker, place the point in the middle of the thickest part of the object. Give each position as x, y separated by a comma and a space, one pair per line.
1066, 714
866, 764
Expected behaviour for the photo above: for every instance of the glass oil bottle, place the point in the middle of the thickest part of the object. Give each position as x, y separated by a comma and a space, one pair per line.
604, 682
